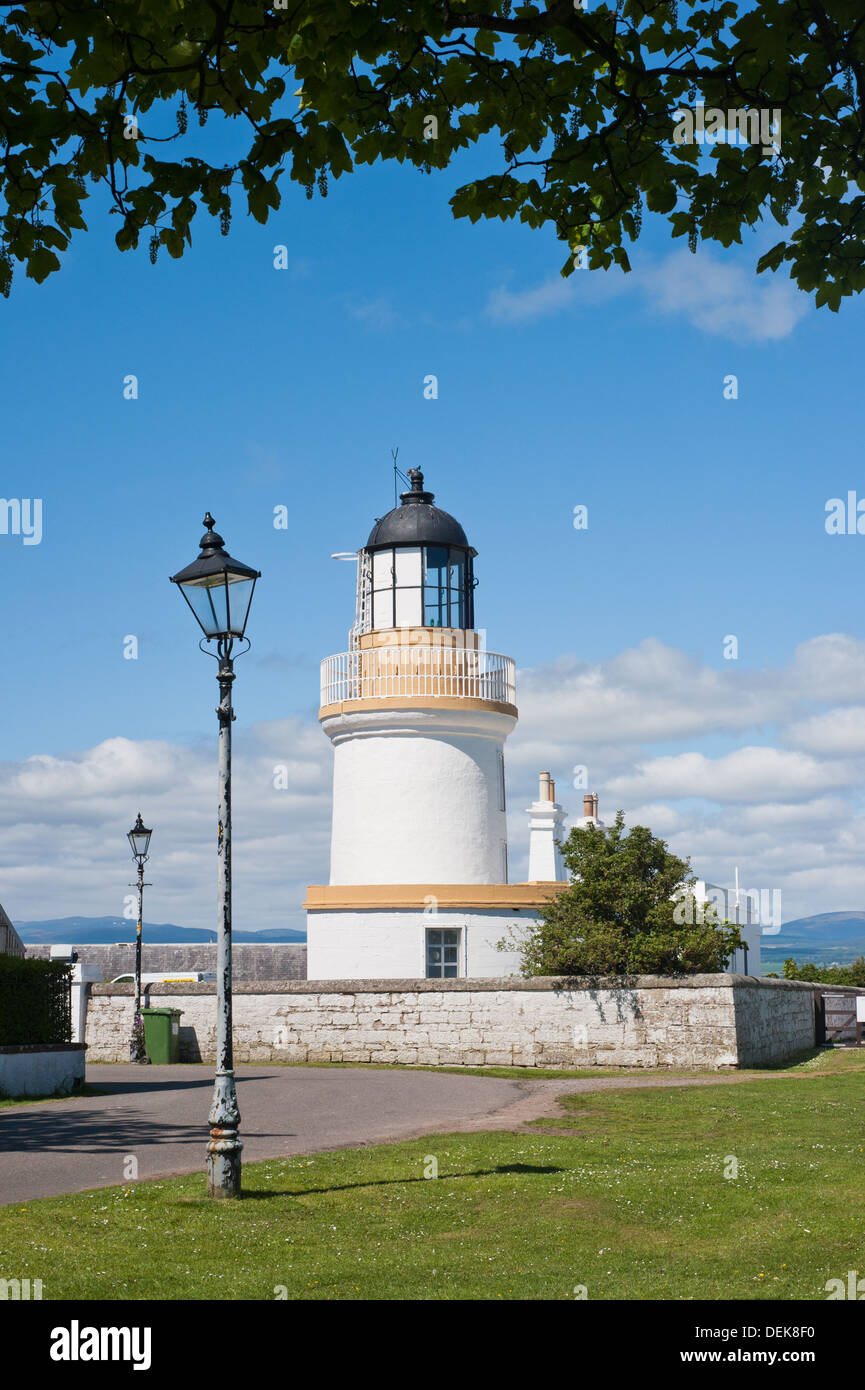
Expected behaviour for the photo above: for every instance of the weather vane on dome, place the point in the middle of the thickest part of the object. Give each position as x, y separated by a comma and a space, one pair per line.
397, 472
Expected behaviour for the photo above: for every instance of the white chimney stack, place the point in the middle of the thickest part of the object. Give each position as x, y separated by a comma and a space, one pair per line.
546, 821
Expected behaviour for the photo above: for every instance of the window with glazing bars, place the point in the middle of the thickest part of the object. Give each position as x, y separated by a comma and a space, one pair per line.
442, 953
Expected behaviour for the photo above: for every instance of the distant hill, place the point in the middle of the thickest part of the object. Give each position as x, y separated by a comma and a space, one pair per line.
829, 938
100, 931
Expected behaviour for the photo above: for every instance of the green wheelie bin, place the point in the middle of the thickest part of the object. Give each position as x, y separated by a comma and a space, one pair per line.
162, 1034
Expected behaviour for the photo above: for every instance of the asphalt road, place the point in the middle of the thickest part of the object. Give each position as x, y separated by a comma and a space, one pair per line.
158, 1115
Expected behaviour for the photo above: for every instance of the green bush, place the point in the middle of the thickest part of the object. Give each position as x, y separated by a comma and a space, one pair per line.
34, 1001
628, 910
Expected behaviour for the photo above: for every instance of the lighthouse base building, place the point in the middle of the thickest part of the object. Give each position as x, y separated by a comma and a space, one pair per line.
404, 939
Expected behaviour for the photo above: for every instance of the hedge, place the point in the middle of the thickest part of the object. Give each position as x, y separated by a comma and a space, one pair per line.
34, 1001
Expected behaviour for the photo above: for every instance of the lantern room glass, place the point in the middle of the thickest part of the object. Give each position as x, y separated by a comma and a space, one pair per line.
444, 587
420, 586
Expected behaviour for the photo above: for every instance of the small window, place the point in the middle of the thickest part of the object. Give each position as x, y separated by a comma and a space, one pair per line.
502, 803
442, 954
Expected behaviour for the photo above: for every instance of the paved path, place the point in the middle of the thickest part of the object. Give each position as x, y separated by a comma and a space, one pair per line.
159, 1114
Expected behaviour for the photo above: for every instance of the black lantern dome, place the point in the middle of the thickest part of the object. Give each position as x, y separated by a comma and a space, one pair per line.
417, 522
416, 568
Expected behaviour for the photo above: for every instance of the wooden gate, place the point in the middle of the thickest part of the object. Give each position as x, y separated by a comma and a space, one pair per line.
835, 1017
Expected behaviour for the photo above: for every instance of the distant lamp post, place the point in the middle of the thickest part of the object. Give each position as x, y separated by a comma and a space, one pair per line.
139, 841
219, 591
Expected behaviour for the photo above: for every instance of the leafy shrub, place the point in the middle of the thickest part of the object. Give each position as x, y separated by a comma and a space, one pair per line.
621, 913
34, 1001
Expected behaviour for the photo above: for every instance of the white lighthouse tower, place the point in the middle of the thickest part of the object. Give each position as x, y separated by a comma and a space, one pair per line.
418, 713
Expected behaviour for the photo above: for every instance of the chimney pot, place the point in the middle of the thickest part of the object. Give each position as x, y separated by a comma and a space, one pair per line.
588, 804
544, 789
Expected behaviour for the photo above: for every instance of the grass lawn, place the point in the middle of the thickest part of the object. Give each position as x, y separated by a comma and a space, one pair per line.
628, 1198
530, 1073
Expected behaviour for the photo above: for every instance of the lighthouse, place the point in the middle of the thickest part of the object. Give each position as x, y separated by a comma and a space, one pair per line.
418, 713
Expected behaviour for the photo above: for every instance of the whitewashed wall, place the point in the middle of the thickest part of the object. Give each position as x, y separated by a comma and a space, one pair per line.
37, 1070
416, 796
391, 943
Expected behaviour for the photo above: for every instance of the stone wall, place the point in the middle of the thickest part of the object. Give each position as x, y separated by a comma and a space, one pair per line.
708, 1021
765, 1032
283, 960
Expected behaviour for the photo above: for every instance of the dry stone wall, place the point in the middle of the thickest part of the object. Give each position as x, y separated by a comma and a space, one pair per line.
705, 1021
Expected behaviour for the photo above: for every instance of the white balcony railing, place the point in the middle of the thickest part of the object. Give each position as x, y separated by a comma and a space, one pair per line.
377, 673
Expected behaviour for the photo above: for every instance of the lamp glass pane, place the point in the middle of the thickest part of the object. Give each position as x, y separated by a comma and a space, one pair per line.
239, 592
208, 601
140, 842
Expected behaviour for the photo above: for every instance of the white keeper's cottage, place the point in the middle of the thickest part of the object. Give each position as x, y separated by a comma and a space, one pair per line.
418, 713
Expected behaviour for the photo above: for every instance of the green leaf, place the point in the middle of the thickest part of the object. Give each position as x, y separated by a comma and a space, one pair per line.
774, 258
40, 264
485, 41
172, 241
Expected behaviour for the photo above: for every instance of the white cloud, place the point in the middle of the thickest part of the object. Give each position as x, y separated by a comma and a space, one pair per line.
830, 668
781, 798
770, 817
837, 732
649, 693
63, 824
763, 769
748, 775
720, 297
556, 294
523, 306
378, 314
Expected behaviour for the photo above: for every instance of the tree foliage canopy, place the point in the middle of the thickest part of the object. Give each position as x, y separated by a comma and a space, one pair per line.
852, 974
574, 108
618, 915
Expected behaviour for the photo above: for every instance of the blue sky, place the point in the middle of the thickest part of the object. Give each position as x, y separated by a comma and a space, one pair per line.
260, 387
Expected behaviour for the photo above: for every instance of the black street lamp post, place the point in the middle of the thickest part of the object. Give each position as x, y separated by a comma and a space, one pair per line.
219, 591
139, 841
